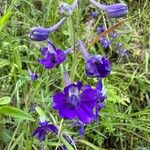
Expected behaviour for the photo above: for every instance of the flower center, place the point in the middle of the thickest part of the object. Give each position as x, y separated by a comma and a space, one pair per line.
73, 96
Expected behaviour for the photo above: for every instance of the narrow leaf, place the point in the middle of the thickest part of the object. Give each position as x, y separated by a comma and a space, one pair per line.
14, 112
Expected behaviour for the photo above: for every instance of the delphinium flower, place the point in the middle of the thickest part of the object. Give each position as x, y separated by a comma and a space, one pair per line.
33, 75
95, 65
113, 11
52, 56
75, 102
66, 9
103, 40
44, 127
41, 33
121, 51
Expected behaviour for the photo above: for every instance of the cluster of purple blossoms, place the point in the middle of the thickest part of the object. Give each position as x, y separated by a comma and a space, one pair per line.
103, 40
76, 102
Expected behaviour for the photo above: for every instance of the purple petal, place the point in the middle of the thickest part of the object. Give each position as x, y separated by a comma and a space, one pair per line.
58, 100
44, 51
88, 96
46, 63
60, 56
41, 135
36, 131
52, 128
99, 85
67, 113
83, 115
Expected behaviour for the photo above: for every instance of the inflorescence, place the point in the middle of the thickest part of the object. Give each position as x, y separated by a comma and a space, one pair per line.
77, 102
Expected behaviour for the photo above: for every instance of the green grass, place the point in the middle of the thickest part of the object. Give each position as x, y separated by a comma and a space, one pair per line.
124, 123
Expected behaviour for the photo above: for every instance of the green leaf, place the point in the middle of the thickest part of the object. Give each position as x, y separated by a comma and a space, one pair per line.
14, 112
90, 145
3, 63
5, 100
6, 17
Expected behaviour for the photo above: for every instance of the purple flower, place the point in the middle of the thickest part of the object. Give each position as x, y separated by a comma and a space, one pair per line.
96, 65
43, 128
100, 29
94, 14
33, 76
113, 35
75, 102
52, 56
41, 33
67, 9
105, 42
114, 11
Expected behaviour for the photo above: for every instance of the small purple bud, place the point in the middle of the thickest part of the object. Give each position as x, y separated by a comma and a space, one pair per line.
114, 11
105, 42
94, 14
112, 35
39, 34
117, 10
33, 76
100, 29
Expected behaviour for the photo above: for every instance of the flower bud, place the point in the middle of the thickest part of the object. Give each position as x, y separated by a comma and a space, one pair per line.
117, 10
39, 34
114, 11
